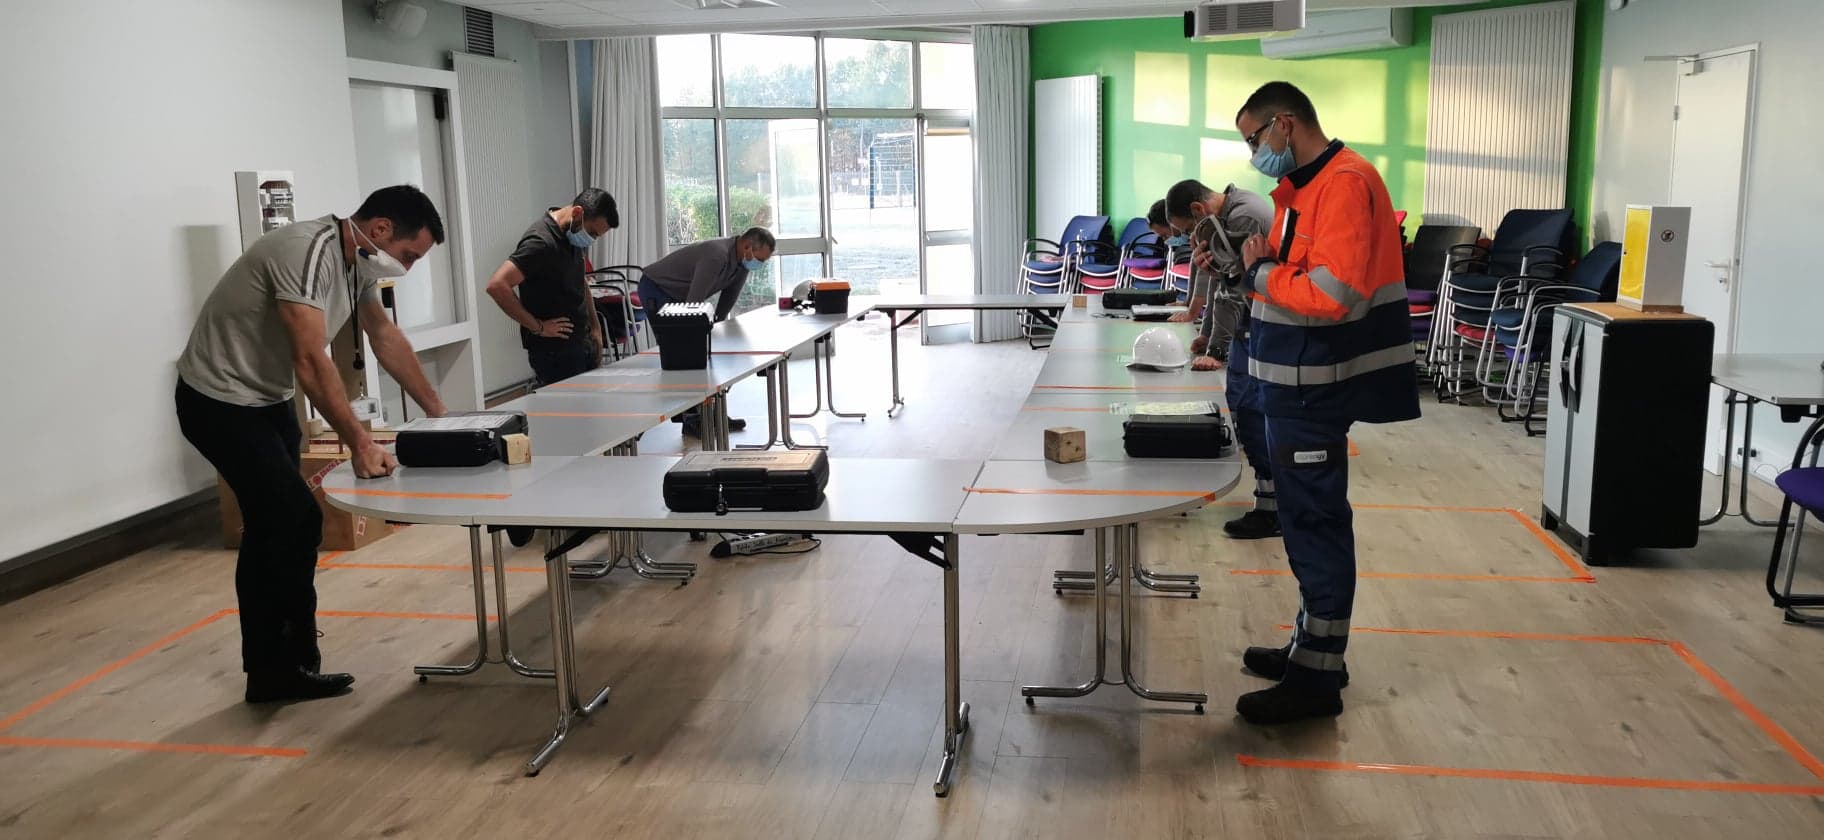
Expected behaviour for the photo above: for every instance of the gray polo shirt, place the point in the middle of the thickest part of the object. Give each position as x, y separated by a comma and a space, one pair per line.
694, 272
239, 350
1244, 213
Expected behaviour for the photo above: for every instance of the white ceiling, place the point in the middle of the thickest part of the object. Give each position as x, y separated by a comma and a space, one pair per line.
606, 18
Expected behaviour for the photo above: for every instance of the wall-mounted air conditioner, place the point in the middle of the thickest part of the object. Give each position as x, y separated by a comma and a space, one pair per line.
1219, 20
1329, 33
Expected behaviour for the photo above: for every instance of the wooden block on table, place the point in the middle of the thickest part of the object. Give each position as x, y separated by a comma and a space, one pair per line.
1064, 445
1080, 301
519, 449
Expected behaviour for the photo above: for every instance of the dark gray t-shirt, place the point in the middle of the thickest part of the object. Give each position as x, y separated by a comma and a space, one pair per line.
239, 350
694, 272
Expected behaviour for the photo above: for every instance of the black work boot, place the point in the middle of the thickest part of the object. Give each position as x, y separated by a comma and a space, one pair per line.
1253, 525
1303, 695
284, 684
1270, 663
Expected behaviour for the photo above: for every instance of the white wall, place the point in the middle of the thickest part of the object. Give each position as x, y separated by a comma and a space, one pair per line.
545, 104
1780, 294
126, 121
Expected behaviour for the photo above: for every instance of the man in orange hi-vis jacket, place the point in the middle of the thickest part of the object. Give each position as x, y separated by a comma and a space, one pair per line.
1331, 345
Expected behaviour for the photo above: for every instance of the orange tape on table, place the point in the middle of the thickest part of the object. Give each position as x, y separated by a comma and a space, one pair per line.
1090, 491
402, 494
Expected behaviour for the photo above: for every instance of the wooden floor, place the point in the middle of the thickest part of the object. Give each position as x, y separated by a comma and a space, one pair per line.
1499, 690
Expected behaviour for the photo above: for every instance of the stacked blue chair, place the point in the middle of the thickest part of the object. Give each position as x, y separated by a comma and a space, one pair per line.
1532, 243
1427, 260
1045, 267
1522, 330
1100, 266
1145, 261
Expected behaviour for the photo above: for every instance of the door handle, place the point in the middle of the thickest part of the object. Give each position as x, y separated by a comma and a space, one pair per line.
1723, 267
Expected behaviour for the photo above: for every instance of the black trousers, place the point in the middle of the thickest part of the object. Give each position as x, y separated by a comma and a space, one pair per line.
551, 366
257, 452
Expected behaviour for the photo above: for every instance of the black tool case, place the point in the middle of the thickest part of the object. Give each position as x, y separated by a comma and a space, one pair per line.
683, 330
722, 481
1176, 436
468, 439
1126, 298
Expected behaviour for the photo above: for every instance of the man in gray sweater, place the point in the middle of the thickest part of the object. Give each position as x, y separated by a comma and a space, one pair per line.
694, 272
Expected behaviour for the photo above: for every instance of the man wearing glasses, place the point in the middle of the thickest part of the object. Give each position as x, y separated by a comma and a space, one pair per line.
1331, 345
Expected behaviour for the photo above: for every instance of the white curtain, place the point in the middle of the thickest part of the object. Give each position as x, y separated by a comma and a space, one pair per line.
1003, 91
624, 154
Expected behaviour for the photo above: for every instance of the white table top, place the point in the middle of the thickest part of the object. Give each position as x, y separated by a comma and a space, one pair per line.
900, 303
1779, 379
1099, 415
865, 495
444, 496
1028, 497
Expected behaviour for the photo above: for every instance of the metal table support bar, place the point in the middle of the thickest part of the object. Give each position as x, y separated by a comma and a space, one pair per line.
956, 712
507, 657
822, 367
627, 549
570, 707
1730, 401
1126, 547
1075, 580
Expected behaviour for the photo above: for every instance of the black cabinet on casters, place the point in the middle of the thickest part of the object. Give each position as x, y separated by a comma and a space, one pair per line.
1626, 420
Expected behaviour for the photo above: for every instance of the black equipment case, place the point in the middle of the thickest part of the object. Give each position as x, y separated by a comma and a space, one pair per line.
468, 439
724, 481
1126, 298
682, 330
1176, 436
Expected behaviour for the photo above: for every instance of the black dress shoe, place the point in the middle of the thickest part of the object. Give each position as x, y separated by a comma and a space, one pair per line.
1253, 525
285, 684
1289, 702
1271, 663
692, 428
520, 537
736, 424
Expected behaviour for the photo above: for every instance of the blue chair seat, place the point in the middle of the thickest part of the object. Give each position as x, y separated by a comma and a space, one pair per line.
1473, 317
1805, 487
1484, 283
1145, 263
1099, 268
1044, 266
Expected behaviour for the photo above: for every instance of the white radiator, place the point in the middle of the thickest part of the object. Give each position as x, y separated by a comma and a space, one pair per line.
1498, 133
1067, 152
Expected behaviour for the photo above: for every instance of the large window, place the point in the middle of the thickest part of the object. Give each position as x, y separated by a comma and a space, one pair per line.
826, 142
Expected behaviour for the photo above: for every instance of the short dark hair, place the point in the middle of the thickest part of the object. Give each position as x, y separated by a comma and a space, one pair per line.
407, 207
1156, 214
1274, 98
598, 204
1178, 199
761, 236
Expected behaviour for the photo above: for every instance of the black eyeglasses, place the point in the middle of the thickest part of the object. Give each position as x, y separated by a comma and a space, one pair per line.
1253, 140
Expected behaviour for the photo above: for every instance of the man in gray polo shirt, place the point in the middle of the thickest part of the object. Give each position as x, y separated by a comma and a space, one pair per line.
694, 272
261, 334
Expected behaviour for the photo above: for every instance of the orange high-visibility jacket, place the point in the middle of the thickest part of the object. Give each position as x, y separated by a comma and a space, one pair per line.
1332, 336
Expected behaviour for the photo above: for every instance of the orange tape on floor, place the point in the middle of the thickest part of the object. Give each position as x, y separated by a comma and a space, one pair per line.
1761, 721
1425, 576
421, 567
1569, 560
1531, 776
41, 703
401, 494
1085, 491
153, 746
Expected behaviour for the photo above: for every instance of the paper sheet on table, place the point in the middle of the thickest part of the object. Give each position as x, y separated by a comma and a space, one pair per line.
1165, 408
452, 424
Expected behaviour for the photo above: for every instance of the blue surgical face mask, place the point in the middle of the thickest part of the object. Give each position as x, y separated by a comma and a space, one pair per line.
581, 238
1274, 164
752, 265
1179, 241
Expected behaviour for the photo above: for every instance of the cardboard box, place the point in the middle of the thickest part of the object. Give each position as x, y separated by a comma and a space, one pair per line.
342, 531
1065, 445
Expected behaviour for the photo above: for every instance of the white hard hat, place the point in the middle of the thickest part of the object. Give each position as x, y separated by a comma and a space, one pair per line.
1160, 348
802, 291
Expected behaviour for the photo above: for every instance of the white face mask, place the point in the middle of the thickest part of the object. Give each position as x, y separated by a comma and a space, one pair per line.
375, 264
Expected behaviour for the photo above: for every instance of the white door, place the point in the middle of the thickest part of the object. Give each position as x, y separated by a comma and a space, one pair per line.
1710, 140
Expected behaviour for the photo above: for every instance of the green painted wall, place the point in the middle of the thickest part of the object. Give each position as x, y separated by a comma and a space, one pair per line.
1169, 104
